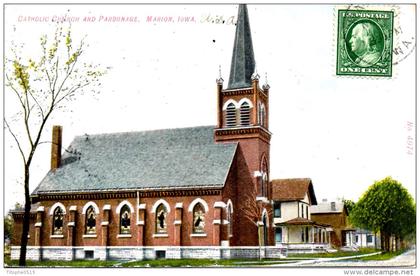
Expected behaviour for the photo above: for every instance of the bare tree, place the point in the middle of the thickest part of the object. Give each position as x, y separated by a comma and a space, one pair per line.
41, 86
254, 212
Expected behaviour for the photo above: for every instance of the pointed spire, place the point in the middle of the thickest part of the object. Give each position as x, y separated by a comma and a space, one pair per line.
255, 76
220, 79
243, 62
266, 86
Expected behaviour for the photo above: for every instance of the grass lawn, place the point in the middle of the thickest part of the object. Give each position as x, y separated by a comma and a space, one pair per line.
78, 263
205, 263
333, 254
292, 258
381, 257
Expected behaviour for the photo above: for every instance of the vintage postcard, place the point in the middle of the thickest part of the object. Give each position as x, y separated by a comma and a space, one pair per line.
204, 135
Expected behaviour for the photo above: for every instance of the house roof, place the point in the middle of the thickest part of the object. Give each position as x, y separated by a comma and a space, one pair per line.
292, 189
21, 209
328, 208
159, 159
302, 221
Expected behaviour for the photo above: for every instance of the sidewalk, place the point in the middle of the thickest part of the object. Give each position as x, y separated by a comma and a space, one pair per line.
408, 259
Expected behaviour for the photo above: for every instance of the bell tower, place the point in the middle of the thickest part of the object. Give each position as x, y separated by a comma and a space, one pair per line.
242, 117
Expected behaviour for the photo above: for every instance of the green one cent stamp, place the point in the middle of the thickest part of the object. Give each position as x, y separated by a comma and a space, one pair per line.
364, 46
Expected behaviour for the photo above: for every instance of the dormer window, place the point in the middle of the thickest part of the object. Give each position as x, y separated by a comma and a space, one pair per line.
277, 209
245, 114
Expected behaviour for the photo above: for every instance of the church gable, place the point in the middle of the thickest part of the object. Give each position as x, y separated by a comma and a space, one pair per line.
170, 158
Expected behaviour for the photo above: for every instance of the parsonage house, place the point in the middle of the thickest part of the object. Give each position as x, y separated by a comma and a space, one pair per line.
171, 193
335, 214
294, 227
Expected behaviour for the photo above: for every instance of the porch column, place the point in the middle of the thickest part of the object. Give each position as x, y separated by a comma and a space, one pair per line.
313, 234
141, 223
178, 224
217, 221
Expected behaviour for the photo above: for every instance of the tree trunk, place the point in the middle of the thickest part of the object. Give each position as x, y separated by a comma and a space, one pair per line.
259, 242
387, 237
382, 241
26, 220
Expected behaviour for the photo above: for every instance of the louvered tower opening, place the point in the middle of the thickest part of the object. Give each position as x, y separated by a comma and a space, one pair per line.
245, 114
231, 115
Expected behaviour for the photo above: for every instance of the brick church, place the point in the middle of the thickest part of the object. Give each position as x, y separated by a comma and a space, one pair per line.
198, 192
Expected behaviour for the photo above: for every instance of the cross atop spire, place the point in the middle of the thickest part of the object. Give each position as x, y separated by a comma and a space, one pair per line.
243, 62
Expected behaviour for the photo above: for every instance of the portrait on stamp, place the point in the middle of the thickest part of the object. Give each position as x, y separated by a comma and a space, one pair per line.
366, 43
364, 46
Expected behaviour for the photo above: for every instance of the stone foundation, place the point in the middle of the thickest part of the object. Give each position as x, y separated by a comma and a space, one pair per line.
147, 253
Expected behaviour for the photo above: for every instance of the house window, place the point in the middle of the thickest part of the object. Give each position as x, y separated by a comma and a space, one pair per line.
161, 214
231, 115
125, 220
305, 234
279, 234
198, 218
58, 217
357, 238
277, 209
90, 221
307, 211
245, 114
369, 238
301, 211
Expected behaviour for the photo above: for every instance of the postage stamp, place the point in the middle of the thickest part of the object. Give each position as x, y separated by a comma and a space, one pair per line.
364, 43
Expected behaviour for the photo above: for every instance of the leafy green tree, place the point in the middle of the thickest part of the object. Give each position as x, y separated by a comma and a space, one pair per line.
386, 207
349, 204
42, 85
8, 227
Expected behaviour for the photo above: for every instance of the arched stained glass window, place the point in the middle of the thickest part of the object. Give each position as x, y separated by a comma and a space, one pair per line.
125, 220
161, 213
198, 218
90, 221
58, 221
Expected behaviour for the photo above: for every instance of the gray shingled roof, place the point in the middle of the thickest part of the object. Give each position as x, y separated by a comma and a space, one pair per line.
159, 159
243, 62
325, 207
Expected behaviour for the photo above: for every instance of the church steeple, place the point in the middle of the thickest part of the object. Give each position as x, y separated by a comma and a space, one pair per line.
243, 62
243, 104
242, 118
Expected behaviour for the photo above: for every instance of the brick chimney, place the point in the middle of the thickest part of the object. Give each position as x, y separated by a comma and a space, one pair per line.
57, 134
